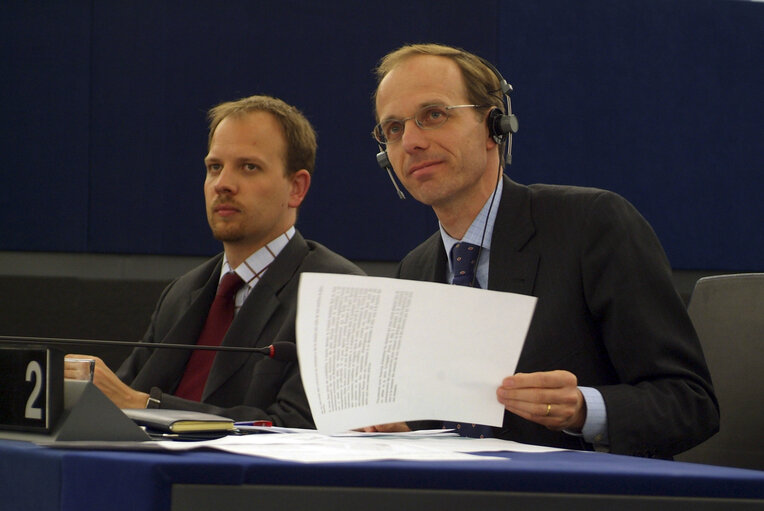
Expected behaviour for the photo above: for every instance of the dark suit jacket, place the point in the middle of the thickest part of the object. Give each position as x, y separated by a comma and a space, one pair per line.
607, 311
241, 386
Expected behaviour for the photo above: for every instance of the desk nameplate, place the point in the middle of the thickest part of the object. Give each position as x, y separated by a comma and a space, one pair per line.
32, 381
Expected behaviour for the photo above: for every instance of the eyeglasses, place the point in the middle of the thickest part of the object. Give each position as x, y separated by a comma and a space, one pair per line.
427, 118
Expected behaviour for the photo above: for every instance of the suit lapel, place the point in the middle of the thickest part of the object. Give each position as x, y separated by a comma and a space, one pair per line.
255, 314
514, 261
437, 262
165, 367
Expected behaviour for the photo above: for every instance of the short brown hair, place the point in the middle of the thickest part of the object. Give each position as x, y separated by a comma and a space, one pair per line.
480, 81
299, 134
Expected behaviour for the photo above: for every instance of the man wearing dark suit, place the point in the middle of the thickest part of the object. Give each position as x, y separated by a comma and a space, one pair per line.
259, 167
611, 360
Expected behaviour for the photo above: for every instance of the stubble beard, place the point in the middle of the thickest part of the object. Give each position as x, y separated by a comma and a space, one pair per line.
227, 232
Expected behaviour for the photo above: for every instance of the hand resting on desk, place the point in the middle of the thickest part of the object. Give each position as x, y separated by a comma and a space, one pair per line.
394, 427
107, 382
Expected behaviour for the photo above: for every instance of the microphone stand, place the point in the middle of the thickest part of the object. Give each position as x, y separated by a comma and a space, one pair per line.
134, 344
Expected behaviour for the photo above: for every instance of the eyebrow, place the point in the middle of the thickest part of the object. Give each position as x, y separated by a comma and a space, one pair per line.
238, 161
418, 108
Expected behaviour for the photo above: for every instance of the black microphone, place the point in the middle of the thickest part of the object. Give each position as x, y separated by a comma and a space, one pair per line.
384, 162
283, 351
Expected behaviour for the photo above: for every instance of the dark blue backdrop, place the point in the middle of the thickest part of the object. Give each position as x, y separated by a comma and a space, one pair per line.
103, 105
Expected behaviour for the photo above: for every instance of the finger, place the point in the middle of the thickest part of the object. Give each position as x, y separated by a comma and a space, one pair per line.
555, 415
535, 395
533, 400
392, 427
543, 379
537, 412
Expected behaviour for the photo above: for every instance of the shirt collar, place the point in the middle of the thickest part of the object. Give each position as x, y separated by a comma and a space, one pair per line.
483, 221
253, 268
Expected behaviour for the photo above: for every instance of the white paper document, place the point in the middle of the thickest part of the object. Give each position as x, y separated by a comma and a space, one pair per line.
313, 447
375, 350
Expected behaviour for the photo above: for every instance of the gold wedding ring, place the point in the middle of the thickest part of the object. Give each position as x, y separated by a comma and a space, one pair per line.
548, 409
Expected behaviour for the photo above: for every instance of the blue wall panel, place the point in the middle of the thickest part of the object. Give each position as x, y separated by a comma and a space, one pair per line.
659, 101
104, 106
44, 108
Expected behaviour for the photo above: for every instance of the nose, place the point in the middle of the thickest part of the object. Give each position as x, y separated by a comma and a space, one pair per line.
413, 137
225, 181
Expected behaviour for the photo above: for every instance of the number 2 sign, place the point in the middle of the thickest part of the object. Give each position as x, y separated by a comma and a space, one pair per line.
31, 388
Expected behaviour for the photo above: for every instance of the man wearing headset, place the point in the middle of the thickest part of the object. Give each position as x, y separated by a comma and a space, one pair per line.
611, 360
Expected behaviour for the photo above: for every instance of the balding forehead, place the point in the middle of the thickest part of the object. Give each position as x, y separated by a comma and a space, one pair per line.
425, 79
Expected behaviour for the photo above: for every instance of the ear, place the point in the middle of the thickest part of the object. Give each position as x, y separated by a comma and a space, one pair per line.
490, 143
300, 182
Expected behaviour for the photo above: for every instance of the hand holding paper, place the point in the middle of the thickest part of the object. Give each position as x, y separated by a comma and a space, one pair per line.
531, 396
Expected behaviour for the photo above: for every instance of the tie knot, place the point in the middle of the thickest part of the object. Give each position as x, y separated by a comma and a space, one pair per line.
463, 260
230, 283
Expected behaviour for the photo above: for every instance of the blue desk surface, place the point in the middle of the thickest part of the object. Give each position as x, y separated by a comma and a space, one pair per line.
42, 478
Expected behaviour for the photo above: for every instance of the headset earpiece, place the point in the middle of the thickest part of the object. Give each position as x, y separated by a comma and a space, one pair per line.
500, 124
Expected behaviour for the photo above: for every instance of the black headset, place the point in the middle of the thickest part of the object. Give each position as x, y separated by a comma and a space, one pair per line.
501, 126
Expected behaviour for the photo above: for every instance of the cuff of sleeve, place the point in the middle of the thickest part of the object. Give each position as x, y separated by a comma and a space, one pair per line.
595, 425
155, 398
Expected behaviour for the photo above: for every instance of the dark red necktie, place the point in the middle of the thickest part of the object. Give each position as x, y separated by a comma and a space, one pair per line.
215, 328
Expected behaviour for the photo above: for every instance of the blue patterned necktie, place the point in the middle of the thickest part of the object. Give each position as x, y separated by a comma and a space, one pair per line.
463, 260
464, 265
